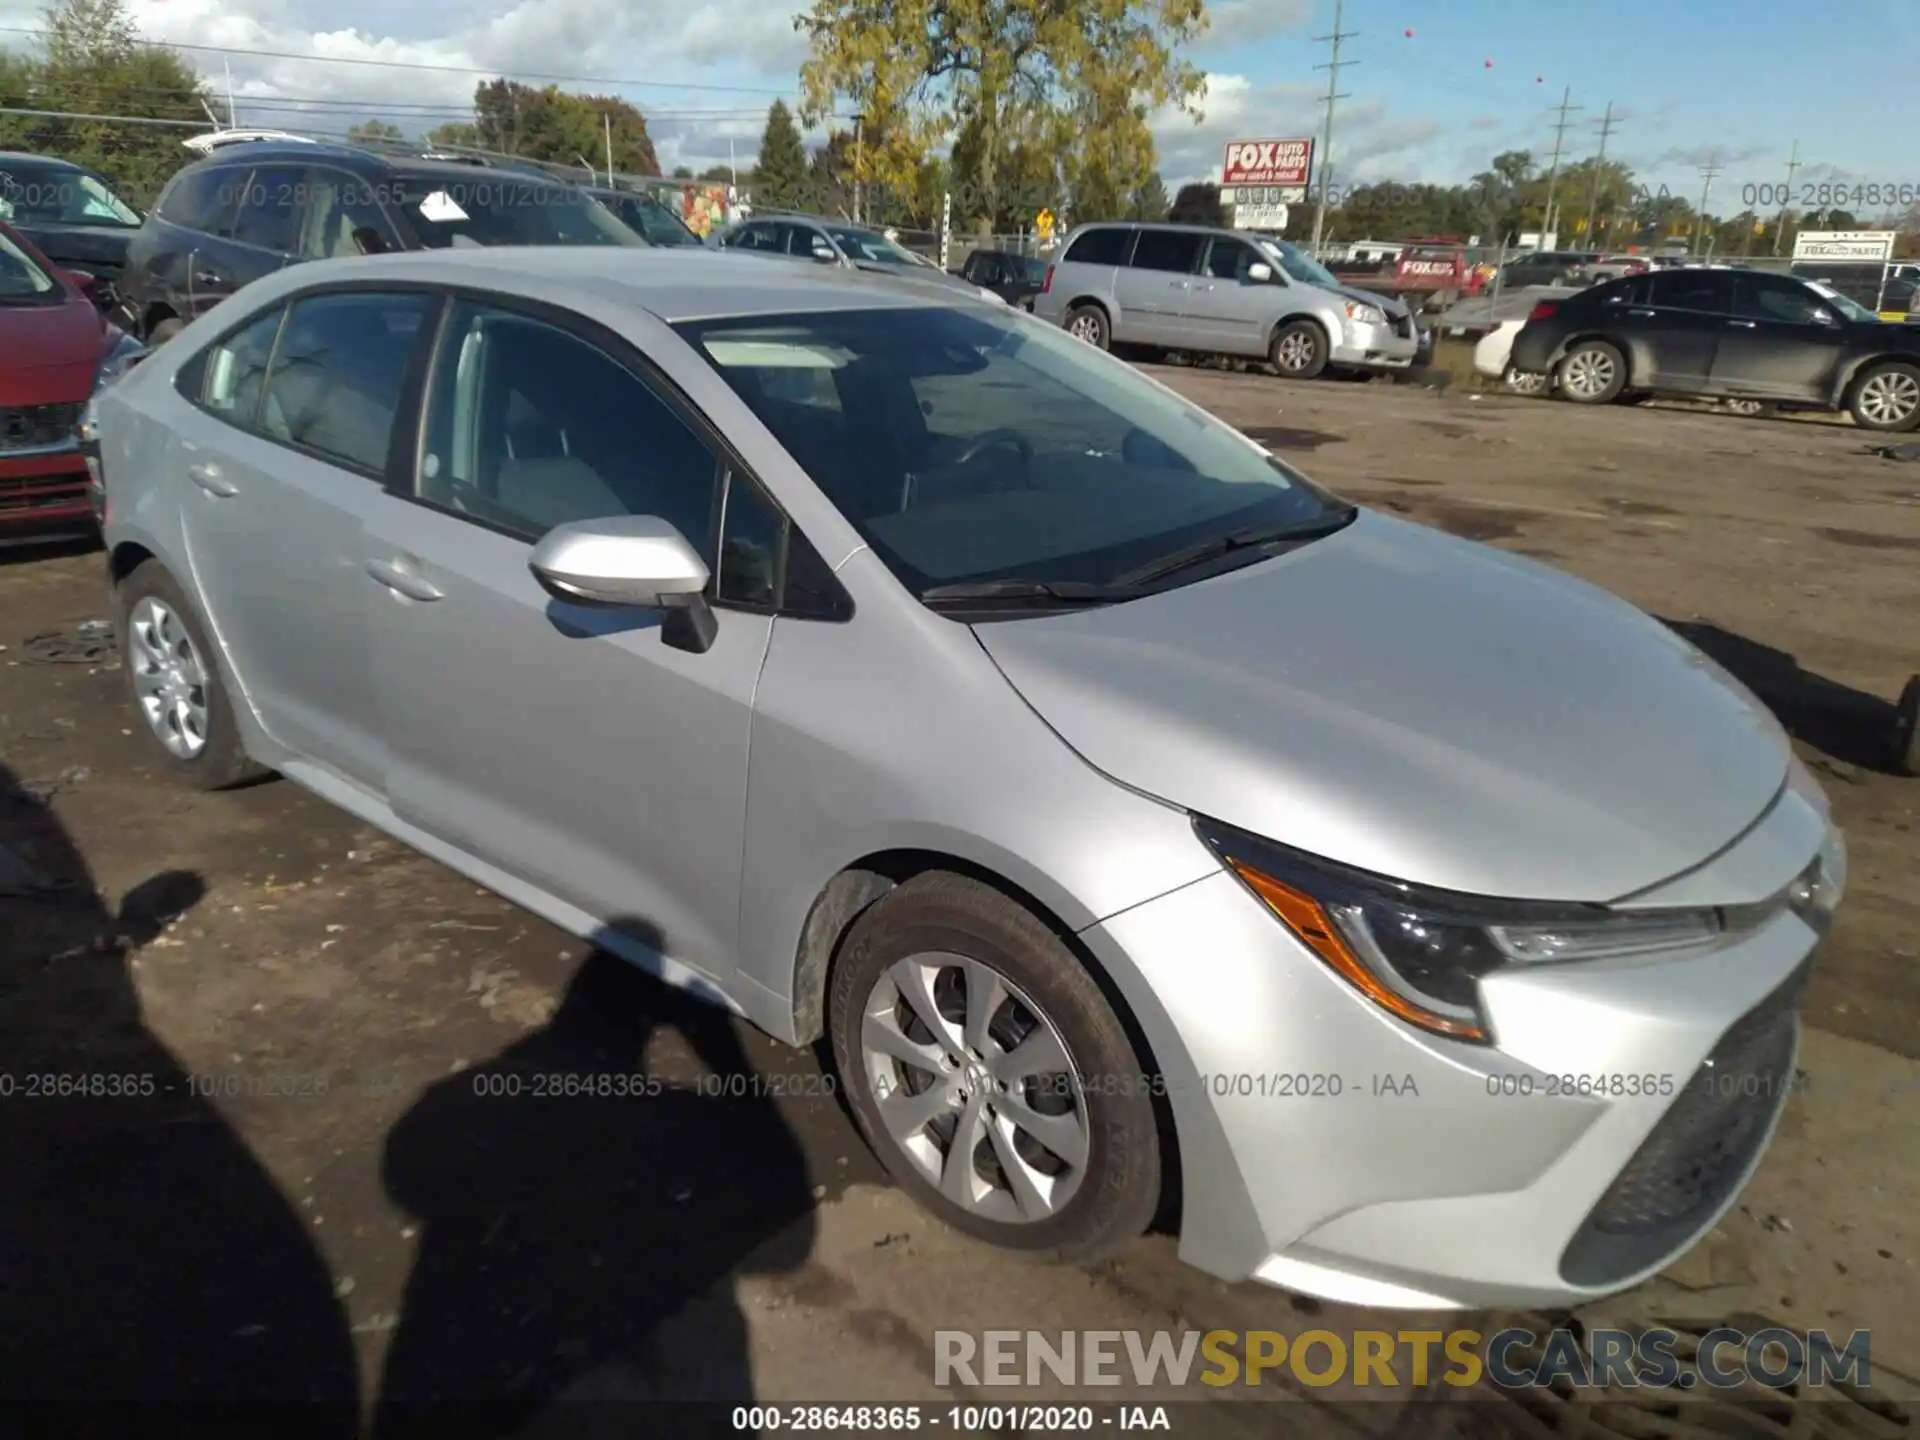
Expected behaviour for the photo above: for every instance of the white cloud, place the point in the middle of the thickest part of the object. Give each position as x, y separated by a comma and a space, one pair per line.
1243, 22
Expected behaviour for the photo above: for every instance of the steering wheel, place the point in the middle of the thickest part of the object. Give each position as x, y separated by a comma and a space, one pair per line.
990, 439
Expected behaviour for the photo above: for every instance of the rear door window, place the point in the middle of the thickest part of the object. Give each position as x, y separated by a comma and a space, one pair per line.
269, 213
1171, 250
205, 200
336, 379
1707, 292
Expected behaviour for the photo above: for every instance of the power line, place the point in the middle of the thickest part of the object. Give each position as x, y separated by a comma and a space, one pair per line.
1553, 173
1333, 67
1709, 172
444, 69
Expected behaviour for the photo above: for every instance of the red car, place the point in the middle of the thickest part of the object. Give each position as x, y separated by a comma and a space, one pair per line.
56, 349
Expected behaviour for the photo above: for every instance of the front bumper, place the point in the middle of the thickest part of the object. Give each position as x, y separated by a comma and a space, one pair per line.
44, 495
1327, 1148
1387, 346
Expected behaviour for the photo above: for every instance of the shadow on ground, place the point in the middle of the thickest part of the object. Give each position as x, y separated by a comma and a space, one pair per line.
1842, 723
147, 1259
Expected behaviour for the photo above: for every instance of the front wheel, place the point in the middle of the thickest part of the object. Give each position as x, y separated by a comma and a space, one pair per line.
991, 1075
1299, 350
1886, 397
1592, 373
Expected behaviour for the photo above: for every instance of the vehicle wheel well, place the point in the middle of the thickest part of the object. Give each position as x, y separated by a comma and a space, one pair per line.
867, 880
126, 558
1285, 320
153, 315
1087, 302
1626, 355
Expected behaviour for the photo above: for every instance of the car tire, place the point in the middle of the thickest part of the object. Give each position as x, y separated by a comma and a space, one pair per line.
1906, 730
165, 331
1089, 323
175, 682
1526, 382
1591, 373
1299, 350
1886, 397
941, 939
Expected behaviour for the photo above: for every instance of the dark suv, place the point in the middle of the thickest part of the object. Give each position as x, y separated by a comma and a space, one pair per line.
248, 209
71, 215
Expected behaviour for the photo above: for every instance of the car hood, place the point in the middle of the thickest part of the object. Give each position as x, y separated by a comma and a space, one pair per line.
49, 353
81, 247
1386, 303
1418, 706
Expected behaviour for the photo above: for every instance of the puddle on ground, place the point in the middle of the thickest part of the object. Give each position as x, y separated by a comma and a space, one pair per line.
1867, 539
1288, 437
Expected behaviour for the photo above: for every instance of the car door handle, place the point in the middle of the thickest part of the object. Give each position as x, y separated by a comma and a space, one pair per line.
1644, 314
1742, 324
1176, 284
402, 581
209, 479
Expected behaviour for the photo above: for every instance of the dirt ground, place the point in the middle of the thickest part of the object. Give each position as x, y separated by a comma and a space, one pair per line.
309, 1186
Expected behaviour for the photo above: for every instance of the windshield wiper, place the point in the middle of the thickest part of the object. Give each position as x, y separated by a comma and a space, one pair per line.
1070, 592
1214, 546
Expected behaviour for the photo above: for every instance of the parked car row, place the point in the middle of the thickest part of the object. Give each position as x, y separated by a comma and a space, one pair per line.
1210, 291
1749, 337
1098, 756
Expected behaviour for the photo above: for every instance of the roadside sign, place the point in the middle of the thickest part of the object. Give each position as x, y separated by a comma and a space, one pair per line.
1261, 207
1858, 247
1287, 163
1043, 222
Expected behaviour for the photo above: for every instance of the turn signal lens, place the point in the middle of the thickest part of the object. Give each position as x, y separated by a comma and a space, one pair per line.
1543, 310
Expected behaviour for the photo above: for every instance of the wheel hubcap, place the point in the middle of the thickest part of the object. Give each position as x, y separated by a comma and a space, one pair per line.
1890, 398
1526, 382
976, 1088
1295, 352
168, 678
1085, 327
1588, 373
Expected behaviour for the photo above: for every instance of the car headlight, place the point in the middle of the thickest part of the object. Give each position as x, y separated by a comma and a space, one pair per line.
1420, 954
125, 353
1365, 314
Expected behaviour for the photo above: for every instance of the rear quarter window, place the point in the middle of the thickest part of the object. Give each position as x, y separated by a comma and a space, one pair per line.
1098, 247
203, 199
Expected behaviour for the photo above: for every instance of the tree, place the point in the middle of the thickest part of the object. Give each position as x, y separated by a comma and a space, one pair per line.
1149, 200
373, 130
454, 136
682, 172
562, 128
95, 62
830, 176
780, 172
1007, 68
1197, 204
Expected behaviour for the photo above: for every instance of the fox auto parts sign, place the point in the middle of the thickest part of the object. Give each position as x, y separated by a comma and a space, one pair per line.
1868, 247
1268, 162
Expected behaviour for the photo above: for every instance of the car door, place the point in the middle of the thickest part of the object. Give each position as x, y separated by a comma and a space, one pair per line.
1227, 306
1780, 343
574, 748
283, 454
339, 208
1154, 289
197, 275
1690, 309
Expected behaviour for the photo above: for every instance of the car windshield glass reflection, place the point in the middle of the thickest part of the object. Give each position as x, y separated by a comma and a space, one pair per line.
972, 447
505, 209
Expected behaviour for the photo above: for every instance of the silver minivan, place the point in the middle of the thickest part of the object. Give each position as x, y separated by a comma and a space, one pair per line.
1191, 287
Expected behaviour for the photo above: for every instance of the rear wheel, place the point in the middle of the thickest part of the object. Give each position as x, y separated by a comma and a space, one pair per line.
990, 1074
1299, 350
1089, 323
1525, 382
1886, 397
1592, 373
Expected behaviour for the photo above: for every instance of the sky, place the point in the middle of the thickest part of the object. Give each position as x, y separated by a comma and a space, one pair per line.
1690, 81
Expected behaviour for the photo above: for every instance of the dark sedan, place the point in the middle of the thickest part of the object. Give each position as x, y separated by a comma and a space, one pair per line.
1729, 334
71, 215
1016, 279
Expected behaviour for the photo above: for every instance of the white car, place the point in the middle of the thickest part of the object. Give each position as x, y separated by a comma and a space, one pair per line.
1491, 359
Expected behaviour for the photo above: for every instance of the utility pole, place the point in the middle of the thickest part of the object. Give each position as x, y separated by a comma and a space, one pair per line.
1780, 227
1333, 67
1565, 108
1607, 122
606, 124
858, 121
1709, 172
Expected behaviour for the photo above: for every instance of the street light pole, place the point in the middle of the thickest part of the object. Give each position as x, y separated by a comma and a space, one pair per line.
1553, 172
1333, 68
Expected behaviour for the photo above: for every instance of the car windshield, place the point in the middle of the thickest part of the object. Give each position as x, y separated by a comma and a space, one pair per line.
969, 447
1298, 264
1034, 270
870, 245
1852, 309
61, 195
506, 209
20, 277
653, 221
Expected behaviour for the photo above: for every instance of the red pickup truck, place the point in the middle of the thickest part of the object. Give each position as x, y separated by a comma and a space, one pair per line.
1437, 269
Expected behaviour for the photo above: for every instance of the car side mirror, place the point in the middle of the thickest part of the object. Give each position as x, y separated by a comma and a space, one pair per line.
629, 561
80, 281
824, 254
1259, 274
368, 241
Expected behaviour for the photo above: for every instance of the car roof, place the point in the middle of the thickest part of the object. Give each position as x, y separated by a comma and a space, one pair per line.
352, 157
6, 155
671, 283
